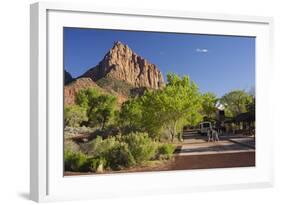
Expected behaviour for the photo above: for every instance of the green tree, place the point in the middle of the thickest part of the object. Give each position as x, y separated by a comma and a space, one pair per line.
209, 101
236, 102
100, 108
104, 111
178, 104
130, 116
74, 115
88, 99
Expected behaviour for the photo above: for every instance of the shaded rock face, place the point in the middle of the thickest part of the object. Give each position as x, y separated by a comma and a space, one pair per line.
67, 77
123, 64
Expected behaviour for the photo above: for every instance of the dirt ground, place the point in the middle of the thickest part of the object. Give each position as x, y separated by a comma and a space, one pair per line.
221, 160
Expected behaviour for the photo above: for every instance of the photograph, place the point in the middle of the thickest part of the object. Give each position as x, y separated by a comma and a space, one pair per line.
143, 101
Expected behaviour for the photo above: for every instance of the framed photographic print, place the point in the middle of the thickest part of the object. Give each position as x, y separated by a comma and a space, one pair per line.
127, 102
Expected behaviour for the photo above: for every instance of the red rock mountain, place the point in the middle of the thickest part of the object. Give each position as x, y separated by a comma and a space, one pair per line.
121, 73
122, 63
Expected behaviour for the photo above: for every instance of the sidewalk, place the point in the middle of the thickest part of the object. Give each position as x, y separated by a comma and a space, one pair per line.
249, 141
198, 145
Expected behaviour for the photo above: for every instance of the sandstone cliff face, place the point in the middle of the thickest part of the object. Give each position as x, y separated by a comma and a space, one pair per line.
75, 86
122, 63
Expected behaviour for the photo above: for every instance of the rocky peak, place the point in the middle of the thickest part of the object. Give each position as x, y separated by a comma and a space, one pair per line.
67, 77
122, 63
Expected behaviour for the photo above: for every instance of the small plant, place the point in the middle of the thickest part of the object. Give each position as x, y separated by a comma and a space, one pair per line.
100, 147
74, 115
97, 164
120, 156
165, 151
70, 145
116, 154
75, 161
141, 146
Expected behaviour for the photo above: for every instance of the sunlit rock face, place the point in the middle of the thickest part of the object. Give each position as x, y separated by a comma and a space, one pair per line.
122, 63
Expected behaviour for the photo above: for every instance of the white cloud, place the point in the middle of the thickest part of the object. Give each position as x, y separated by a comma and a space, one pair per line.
201, 50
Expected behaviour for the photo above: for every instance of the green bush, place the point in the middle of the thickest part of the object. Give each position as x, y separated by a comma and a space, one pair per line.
74, 115
116, 154
120, 156
101, 148
165, 151
97, 164
141, 146
70, 145
75, 161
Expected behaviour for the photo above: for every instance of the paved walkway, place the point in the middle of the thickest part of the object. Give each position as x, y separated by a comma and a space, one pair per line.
197, 153
195, 144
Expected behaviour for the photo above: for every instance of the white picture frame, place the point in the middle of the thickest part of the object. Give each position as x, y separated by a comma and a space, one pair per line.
46, 136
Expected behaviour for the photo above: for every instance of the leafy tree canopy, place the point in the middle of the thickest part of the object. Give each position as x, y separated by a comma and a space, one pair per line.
173, 107
209, 101
130, 116
236, 102
100, 107
74, 115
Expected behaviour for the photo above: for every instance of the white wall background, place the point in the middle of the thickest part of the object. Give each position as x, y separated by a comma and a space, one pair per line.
14, 101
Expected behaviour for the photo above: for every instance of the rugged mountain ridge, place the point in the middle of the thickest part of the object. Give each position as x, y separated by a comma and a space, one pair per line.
122, 63
121, 73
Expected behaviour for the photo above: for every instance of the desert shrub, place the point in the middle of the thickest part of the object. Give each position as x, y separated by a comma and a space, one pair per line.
79, 130
109, 131
120, 156
97, 164
70, 145
75, 161
101, 148
116, 154
141, 146
74, 115
119, 86
165, 150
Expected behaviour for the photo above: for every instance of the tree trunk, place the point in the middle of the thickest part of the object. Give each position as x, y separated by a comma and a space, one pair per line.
103, 124
172, 136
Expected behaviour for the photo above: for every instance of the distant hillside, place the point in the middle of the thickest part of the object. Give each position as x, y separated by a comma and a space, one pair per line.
67, 77
76, 85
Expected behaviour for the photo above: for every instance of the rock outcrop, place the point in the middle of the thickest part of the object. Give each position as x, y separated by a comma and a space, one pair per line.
121, 73
76, 85
67, 77
123, 64
72, 88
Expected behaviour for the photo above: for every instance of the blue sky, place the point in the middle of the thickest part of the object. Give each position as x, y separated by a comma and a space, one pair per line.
216, 63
